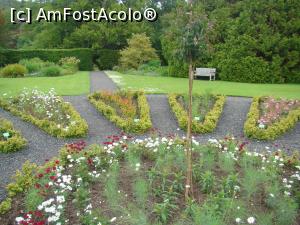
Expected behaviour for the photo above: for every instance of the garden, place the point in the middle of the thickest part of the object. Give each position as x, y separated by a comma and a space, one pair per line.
106, 123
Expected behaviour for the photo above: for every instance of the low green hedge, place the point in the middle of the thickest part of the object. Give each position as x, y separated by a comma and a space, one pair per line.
252, 130
85, 56
50, 127
126, 124
15, 142
211, 118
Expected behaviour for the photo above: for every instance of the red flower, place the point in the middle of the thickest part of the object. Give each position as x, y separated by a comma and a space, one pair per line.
37, 185
57, 162
40, 175
53, 178
90, 161
48, 170
47, 186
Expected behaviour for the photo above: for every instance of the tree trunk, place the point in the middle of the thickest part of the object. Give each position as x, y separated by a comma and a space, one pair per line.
188, 184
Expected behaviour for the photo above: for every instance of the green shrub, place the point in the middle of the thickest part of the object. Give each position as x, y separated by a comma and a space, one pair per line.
138, 52
14, 142
14, 70
69, 65
51, 71
32, 65
252, 130
85, 55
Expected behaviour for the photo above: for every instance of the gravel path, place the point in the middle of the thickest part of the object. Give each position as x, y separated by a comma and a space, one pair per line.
42, 146
162, 118
99, 127
100, 81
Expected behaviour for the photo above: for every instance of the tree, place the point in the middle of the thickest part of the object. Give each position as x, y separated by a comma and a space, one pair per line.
138, 52
188, 31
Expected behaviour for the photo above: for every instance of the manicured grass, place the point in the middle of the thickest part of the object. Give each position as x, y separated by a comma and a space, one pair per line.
76, 84
155, 84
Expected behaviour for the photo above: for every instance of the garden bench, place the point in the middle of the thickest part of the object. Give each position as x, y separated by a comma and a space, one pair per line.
205, 72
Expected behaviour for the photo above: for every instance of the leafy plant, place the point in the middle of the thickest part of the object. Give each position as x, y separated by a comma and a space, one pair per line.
51, 71
14, 70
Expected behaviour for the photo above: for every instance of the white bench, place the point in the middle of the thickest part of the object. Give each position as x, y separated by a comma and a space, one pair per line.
205, 72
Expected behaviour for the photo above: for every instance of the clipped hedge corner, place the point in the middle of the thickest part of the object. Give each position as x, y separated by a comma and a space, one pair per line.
211, 118
278, 128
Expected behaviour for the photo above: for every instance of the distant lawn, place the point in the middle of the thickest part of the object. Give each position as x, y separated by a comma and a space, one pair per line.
156, 84
76, 84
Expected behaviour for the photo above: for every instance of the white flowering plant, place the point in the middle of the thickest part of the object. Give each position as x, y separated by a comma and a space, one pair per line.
47, 111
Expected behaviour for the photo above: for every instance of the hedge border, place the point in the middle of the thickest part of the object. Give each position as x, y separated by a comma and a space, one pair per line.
14, 143
80, 130
211, 118
127, 125
54, 55
278, 128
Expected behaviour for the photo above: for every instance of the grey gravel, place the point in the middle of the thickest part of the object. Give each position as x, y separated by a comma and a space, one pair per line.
42, 146
101, 82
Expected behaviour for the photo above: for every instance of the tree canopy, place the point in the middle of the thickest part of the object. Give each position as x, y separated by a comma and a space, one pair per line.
247, 41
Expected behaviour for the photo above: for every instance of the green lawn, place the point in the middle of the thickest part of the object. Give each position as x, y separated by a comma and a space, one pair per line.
76, 84
156, 84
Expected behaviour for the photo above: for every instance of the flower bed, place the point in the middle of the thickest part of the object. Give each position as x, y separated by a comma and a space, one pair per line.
128, 110
268, 118
47, 111
205, 119
10, 139
142, 182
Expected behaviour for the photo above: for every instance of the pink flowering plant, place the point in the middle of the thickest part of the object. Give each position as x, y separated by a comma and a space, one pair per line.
269, 118
271, 110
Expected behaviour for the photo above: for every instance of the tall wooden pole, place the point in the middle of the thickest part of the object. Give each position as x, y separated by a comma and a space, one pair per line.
189, 175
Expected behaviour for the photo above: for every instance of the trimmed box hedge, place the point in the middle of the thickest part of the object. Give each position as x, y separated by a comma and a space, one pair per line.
85, 55
211, 118
51, 127
252, 130
126, 124
15, 142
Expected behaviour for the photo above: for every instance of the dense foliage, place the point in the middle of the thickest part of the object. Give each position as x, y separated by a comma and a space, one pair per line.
142, 182
138, 52
247, 41
52, 55
11, 140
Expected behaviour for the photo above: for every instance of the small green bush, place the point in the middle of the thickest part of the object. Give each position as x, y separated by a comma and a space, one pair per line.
69, 65
15, 141
14, 70
51, 71
32, 65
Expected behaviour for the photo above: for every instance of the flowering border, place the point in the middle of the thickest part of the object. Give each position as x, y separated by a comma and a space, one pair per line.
15, 142
211, 118
251, 129
50, 127
128, 125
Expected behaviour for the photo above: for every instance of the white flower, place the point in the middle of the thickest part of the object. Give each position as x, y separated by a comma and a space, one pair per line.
19, 219
60, 199
251, 220
113, 219
238, 220
271, 195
